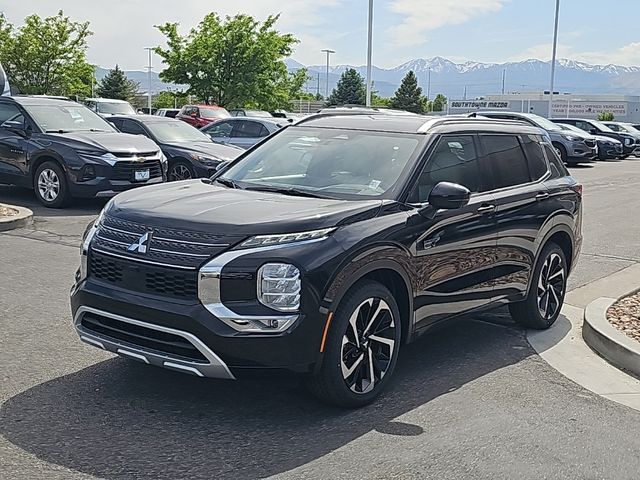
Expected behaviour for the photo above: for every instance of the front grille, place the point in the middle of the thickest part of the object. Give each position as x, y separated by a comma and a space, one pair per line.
125, 170
135, 155
147, 279
590, 143
167, 246
146, 338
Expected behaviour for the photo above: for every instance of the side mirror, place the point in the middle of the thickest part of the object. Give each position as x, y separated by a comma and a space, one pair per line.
449, 196
221, 166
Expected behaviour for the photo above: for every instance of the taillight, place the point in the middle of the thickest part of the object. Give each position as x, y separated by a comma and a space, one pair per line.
577, 188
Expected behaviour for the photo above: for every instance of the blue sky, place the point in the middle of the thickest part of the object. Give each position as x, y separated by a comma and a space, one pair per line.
478, 30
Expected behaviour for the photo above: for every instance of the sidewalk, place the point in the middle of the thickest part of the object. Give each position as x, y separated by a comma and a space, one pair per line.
564, 349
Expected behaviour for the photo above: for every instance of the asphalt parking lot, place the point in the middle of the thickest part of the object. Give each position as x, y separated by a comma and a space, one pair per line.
471, 401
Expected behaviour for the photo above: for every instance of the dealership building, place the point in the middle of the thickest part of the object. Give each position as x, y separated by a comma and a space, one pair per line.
625, 108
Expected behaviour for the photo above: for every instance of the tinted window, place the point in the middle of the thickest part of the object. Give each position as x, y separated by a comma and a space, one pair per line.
555, 162
506, 157
453, 160
129, 126
535, 156
247, 129
220, 129
8, 111
263, 131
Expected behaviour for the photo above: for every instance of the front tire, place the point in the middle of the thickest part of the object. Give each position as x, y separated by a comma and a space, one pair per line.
361, 347
180, 170
562, 152
51, 186
542, 306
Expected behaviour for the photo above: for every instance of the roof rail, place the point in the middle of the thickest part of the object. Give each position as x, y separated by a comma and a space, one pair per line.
336, 113
436, 122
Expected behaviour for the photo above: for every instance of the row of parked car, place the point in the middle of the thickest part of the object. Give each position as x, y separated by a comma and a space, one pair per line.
63, 149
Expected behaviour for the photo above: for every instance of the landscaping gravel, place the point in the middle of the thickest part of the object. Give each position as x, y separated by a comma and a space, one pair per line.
625, 315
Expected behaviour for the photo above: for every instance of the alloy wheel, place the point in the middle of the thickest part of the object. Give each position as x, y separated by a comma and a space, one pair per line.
368, 345
180, 172
48, 185
551, 285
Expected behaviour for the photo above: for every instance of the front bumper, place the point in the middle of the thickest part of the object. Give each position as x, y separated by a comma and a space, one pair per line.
105, 187
582, 152
227, 353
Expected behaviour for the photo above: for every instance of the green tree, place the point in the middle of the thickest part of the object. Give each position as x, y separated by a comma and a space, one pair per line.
439, 102
409, 95
47, 55
378, 101
232, 63
115, 84
606, 116
168, 99
350, 90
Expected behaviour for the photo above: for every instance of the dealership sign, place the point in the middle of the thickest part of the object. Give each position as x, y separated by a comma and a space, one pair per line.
477, 104
592, 109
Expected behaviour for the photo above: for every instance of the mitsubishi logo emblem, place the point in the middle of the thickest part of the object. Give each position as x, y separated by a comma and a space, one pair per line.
141, 245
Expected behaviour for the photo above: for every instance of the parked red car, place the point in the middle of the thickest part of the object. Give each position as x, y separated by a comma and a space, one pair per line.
201, 115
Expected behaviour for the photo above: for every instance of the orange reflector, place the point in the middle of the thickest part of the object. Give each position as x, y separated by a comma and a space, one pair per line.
326, 330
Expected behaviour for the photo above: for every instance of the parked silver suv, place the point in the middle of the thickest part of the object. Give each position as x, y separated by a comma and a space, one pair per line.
573, 149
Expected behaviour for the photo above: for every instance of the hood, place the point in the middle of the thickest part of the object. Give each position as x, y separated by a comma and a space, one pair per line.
601, 138
114, 142
208, 149
212, 208
582, 135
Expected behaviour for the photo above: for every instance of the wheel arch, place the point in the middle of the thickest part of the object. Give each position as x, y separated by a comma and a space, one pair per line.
385, 265
562, 236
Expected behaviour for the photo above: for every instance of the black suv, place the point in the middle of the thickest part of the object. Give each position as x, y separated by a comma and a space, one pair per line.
62, 149
325, 248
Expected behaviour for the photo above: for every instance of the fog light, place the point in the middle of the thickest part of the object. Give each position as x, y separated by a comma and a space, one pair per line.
89, 172
279, 286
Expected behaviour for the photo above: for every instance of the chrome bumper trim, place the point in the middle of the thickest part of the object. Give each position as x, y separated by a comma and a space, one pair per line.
215, 368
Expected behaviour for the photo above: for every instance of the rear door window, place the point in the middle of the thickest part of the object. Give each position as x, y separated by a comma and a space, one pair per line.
247, 129
506, 159
535, 156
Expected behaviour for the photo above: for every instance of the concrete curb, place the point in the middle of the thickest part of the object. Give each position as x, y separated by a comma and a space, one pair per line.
608, 341
22, 219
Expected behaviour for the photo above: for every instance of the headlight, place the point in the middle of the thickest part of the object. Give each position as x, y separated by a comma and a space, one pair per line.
279, 286
571, 138
163, 158
628, 141
204, 159
267, 240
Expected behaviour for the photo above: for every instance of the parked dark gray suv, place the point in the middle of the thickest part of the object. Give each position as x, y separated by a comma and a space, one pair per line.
62, 149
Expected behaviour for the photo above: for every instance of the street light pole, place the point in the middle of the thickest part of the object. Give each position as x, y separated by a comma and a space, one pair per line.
553, 58
429, 91
328, 52
504, 74
369, 51
149, 49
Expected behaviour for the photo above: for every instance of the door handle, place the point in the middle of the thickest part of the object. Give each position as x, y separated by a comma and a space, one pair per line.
485, 209
542, 196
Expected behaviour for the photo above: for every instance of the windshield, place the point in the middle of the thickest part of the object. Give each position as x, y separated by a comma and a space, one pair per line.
214, 113
178, 131
115, 108
327, 162
627, 127
67, 118
601, 126
573, 128
545, 124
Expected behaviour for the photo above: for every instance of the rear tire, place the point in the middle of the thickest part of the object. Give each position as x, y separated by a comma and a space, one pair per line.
361, 347
51, 186
542, 306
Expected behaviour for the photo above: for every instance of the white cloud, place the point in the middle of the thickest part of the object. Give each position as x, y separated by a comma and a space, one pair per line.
122, 28
628, 55
422, 16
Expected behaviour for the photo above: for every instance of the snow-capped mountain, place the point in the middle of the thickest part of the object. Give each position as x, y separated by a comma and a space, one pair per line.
477, 79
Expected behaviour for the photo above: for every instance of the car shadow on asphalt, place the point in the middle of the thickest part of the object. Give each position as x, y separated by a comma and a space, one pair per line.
24, 197
121, 419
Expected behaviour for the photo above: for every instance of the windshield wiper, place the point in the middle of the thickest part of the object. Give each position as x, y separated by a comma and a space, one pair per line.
57, 131
227, 182
285, 191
